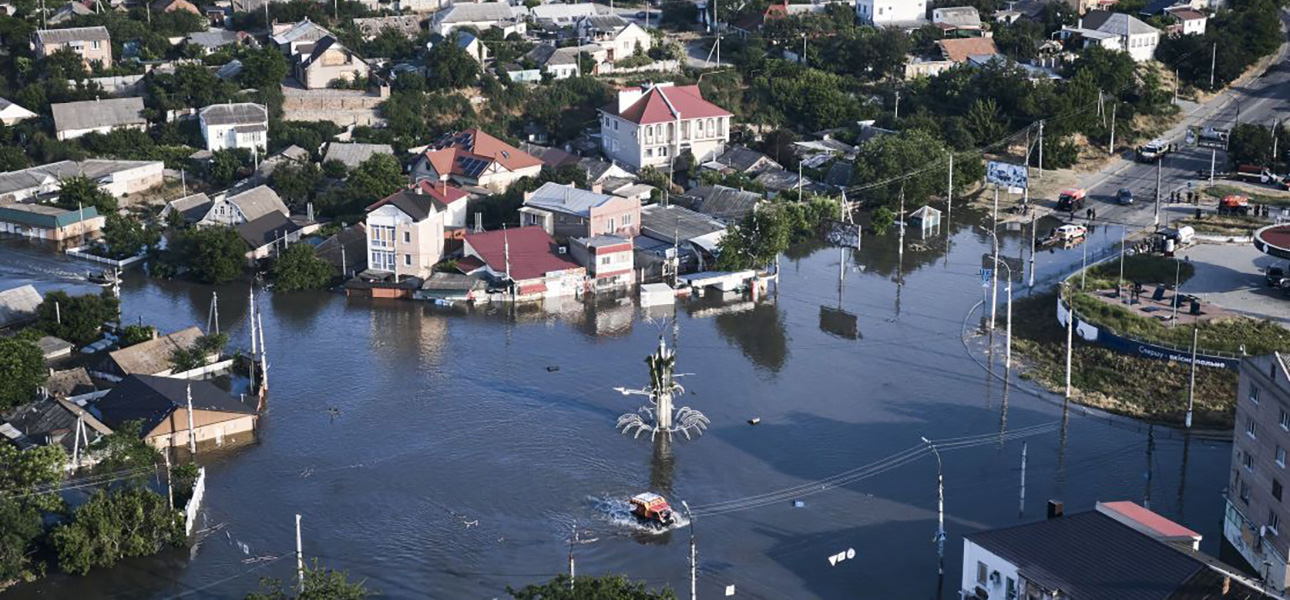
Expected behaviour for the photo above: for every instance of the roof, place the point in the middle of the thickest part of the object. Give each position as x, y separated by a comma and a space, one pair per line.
18, 305
1091, 556
353, 241
1147, 521
193, 206
564, 12
48, 217
742, 159
422, 199
551, 157
664, 222
605, 23
308, 55
266, 229
603, 241
721, 202
34, 177
257, 202
303, 31
70, 382
482, 12
451, 282
666, 103
470, 152
566, 199
957, 16
72, 34
532, 252
151, 399
91, 114
408, 25
69, 10
153, 356
235, 113
51, 345
960, 49
49, 421
353, 155
17, 110
214, 38
1114, 23
1186, 13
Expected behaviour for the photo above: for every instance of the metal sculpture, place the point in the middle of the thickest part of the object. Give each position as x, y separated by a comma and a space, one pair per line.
659, 416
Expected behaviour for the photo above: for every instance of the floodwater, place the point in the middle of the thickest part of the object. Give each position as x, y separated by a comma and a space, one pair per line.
458, 464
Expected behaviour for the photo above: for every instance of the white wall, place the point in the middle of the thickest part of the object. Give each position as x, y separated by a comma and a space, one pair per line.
652, 145
220, 137
1142, 47
974, 554
890, 11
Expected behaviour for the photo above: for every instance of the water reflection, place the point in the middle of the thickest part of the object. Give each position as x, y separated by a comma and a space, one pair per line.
759, 334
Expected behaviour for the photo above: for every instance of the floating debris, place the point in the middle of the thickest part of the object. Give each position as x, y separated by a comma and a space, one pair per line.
754, 421
552, 368
799, 504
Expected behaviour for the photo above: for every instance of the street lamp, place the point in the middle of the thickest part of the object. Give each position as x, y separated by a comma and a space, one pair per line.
940, 507
694, 572
1007, 361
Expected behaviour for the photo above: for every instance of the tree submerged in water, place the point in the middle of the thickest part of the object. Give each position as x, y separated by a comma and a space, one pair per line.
658, 416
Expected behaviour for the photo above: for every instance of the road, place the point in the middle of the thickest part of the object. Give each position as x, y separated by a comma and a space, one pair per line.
1261, 99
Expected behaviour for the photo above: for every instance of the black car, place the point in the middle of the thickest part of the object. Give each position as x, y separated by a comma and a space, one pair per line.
1275, 276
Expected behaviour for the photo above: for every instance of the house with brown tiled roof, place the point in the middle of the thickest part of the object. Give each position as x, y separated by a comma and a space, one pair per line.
474, 158
651, 125
959, 50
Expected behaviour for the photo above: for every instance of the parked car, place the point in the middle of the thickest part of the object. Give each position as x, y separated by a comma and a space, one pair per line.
1275, 276
1125, 196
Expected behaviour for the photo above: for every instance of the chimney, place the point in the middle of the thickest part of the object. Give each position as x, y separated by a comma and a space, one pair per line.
628, 97
1056, 509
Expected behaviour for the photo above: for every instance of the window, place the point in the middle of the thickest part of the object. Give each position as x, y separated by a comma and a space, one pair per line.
407, 237
1281, 457
611, 225
1285, 420
1245, 492
604, 260
407, 260
1274, 521
662, 151
981, 572
382, 261
649, 153
1276, 489
381, 236
1254, 394
627, 220
1250, 426
1248, 461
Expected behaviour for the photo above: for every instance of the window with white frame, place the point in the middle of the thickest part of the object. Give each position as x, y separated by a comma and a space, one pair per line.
407, 260
1254, 394
1284, 420
1281, 457
381, 236
1250, 427
982, 572
1274, 521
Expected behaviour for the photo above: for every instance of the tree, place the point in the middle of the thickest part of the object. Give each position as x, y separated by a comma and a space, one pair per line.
197, 355
983, 121
450, 66
605, 587
1250, 144
319, 584
265, 67
23, 474
124, 237
136, 334
225, 164
82, 192
299, 268
22, 368
376, 178
77, 319
296, 183
214, 254
125, 449
769, 230
114, 525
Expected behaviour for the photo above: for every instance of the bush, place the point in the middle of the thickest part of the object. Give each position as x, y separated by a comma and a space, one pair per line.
299, 268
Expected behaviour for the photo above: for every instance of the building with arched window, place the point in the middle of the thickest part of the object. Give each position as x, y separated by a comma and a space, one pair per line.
650, 126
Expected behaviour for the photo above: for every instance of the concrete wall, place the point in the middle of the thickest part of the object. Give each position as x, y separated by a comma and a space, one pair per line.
973, 557
1262, 398
342, 107
90, 52
71, 134
209, 427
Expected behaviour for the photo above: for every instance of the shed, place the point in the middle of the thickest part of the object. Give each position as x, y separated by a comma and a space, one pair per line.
927, 219
52, 347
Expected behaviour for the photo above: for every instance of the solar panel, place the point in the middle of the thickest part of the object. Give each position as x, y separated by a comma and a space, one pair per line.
472, 167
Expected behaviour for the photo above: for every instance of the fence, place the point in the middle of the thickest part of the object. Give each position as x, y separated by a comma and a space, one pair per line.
82, 253
658, 65
195, 502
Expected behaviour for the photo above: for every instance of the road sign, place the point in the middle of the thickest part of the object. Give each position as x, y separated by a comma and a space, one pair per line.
985, 276
1007, 174
841, 556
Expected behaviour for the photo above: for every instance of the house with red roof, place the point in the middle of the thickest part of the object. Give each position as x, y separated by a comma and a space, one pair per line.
474, 158
649, 126
406, 230
526, 260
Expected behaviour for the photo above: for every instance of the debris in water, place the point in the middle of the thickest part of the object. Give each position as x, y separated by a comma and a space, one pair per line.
552, 368
798, 504
754, 421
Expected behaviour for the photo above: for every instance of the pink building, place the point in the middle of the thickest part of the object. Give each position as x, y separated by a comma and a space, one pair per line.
566, 211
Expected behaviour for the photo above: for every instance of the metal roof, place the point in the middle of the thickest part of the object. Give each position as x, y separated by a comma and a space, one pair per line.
266, 229
258, 201
353, 155
482, 12
567, 199
666, 222
44, 216
18, 305
151, 399
72, 34
92, 114
153, 356
235, 113
724, 203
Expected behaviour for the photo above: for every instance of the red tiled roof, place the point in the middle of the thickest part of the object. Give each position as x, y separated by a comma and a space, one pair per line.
959, 49
445, 154
1162, 526
532, 252
444, 194
1186, 14
686, 99
469, 264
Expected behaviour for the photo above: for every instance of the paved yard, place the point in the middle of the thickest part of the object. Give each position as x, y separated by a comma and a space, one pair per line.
1231, 276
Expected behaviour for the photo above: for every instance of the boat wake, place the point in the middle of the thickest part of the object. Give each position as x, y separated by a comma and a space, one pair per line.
617, 511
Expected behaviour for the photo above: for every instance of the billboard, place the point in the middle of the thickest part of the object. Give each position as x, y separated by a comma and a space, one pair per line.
1007, 174
842, 234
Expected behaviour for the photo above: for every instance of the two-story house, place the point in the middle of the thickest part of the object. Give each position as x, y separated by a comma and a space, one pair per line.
237, 209
481, 16
649, 126
1115, 31
92, 44
608, 260
474, 158
405, 231
619, 37
1255, 491
566, 211
235, 125
318, 65
289, 37
891, 12
527, 261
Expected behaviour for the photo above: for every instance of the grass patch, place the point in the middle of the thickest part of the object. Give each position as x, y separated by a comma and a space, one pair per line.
1220, 191
1228, 334
1229, 225
1154, 390
1143, 268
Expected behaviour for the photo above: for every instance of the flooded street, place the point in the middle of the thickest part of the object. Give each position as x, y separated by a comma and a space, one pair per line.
459, 462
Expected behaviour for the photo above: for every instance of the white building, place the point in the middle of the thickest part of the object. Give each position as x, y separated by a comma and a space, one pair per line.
652, 124
75, 119
117, 177
892, 12
243, 208
11, 113
1115, 31
481, 16
619, 37
235, 125
1190, 21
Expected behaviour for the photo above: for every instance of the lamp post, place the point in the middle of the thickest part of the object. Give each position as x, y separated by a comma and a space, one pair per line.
694, 570
1007, 361
940, 507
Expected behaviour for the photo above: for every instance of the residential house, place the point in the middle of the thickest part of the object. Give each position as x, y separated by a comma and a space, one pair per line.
899, 13
92, 44
1255, 489
674, 235
289, 37
601, 173
152, 357
212, 40
607, 259
55, 420
421, 6
957, 20
75, 119
408, 26
1115, 31
117, 177
270, 234
235, 125
1189, 21
742, 160
192, 208
961, 50
652, 124
346, 250
480, 16
474, 158
527, 260
565, 15
317, 66
1030, 10
447, 288
563, 63
619, 37
353, 154
1119, 550
12, 114
725, 204
406, 230
1084, 6
473, 46
550, 157
52, 348
162, 405
566, 211
232, 210
165, 6
18, 305
69, 11
44, 222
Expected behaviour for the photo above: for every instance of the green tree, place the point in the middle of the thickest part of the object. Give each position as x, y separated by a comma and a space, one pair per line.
20, 529
79, 191
983, 120
375, 178
319, 584
136, 334
125, 237
125, 450
77, 319
296, 183
1249, 144
213, 254
450, 66
299, 268
22, 368
262, 68
198, 355
225, 164
24, 474
111, 526
605, 587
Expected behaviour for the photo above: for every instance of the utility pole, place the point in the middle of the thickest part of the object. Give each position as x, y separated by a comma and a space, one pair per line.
170, 490
940, 508
1191, 390
572, 540
251, 313
1040, 174
1007, 349
1021, 509
1083, 268
1275, 125
1070, 335
1177, 296
694, 555
897, 113
264, 355
1213, 162
994, 273
192, 435
1114, 106
300, 558
1119, 283
1034, 223
949, 197
1160, 168
1176, 85
1213, 60
58, 313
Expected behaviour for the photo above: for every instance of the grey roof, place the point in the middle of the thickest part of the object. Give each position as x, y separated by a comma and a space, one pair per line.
354, 241
69, 10
258, 201
564, 12
303, 31
307, 57
606, 23
664, 223
47, 422
1113, 23
408, 25
91, 114
70, 382
597, 241
839, 174
958, 16
18, 305
72, 34
193, 206
541, 53
721, 202
481, 12
267, 229
235, 113
151, 399
1091, 556
595, 168
566, 199
455, 282
153, 356
780, 179
569, 55
51, 345
230, 69
742, 159
354, 154
214, 38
